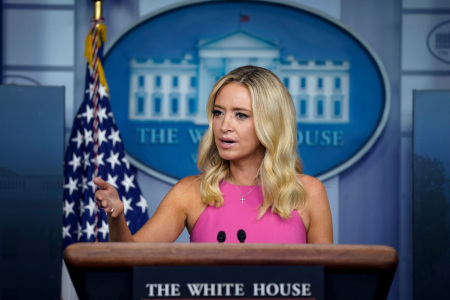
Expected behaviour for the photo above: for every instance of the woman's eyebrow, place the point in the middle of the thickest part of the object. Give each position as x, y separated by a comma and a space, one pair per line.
234, 108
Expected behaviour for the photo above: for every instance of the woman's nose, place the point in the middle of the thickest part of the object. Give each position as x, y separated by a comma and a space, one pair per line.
226, 123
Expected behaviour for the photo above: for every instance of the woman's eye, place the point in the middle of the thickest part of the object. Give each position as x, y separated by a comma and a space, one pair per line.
216, 113
240, 115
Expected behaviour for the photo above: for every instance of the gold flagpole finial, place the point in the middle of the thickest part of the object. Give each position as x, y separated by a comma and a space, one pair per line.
95, 39
97, 9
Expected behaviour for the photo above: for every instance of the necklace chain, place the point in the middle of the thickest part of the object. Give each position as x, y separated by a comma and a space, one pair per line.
242, 196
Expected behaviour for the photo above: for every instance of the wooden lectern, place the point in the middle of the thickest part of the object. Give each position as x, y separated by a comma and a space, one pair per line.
105, 270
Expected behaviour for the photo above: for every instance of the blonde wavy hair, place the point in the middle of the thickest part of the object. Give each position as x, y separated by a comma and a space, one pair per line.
276, 129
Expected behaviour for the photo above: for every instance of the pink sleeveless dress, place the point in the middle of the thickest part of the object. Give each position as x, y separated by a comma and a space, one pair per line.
235, 215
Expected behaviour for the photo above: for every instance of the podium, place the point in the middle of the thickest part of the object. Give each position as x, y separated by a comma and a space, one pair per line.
105, 270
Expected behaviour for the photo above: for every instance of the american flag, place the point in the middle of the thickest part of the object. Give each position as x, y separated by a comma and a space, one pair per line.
95, 149
244, 18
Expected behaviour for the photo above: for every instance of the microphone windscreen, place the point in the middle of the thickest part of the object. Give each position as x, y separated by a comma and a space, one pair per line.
241, 235
221, 236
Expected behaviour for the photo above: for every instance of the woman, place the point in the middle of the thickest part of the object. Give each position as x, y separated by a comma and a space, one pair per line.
251, 175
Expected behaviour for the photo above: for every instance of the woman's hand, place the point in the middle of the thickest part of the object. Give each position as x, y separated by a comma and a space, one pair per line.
108, 198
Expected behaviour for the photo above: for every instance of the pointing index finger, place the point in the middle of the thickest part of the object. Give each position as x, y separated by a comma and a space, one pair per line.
101, 183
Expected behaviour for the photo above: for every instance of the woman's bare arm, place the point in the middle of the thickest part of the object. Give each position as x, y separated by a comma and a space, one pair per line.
318, 213
165, 225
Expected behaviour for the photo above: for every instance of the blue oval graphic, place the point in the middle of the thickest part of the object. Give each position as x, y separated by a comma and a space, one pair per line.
160, 72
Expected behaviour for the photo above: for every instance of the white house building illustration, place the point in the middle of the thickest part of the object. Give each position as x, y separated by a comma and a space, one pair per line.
166, 89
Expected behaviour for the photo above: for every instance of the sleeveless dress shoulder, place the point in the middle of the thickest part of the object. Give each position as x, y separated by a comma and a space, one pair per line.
236, 214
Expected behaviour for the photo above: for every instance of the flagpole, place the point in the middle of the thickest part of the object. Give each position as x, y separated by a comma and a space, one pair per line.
97, 21
98, 33
98, 8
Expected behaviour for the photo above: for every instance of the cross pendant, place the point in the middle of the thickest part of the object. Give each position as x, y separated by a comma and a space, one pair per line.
242, 200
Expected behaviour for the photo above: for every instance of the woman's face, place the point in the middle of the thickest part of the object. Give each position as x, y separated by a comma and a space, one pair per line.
233, 125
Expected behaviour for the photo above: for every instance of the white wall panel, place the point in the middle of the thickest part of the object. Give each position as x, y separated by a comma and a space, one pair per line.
330, 7
332, 187
425, 4
410, 83
415, 52
54, 2
38, 37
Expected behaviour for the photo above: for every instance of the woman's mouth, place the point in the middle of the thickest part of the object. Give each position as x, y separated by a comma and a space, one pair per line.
227, 143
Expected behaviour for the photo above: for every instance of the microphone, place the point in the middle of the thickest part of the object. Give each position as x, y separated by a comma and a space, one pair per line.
241, 235
221, 236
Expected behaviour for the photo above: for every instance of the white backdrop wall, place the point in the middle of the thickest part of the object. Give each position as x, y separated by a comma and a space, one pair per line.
43, 43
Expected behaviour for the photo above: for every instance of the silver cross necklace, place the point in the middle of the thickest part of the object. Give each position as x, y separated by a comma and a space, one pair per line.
242, 196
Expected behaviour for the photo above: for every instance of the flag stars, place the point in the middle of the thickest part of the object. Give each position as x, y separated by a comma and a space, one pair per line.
142, 203
66, 232
90, 90
127, 204
81, 208
75, 162
113, 159
79, 231
127, 182
72, 185
89, 230
92, 184
89, 114
78, 139
102, 91
68, 208
102, 137
91, 207
125, 161
84, 185
101, 114
113, 181
114, 137
87, 137
104, 230
86, 160
98, 160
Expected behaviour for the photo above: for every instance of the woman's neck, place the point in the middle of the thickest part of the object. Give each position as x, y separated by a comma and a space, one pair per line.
242, 175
